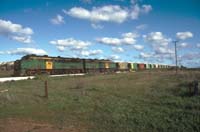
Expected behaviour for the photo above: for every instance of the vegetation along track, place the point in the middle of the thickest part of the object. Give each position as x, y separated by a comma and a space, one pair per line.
138, 101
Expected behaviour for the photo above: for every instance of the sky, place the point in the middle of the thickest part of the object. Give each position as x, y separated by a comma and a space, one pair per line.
119, 30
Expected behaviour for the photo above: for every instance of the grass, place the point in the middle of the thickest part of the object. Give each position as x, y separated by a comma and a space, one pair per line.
6, 73
127, 102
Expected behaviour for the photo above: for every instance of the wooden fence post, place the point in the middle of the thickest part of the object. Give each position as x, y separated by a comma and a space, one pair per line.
46, 89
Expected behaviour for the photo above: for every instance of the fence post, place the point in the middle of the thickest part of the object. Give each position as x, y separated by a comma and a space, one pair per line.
46, 89
195, 87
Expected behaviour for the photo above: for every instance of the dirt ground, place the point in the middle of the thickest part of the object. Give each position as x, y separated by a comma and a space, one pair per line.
24, 125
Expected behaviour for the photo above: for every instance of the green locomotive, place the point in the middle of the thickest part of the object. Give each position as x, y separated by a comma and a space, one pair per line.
33, 64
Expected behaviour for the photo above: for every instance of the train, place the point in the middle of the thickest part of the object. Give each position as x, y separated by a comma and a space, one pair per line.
34, 64
6, 66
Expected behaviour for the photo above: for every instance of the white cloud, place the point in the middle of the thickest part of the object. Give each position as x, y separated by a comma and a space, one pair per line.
191, 56
87, 1
198, 45
157, 38
133, 2
1, 53
25, 51
96, 26
154, 57
108, 13
90, 52
130, 35
138, 47
183, 45
114, 57
57, 20
22, 39
184, 35
141, 27
15, 31
71, 43
64, 11
163, 50
60, 48
127, 38
109, 41
146, 8
117, 49
112, 13
137, 10
160, 46
145, 55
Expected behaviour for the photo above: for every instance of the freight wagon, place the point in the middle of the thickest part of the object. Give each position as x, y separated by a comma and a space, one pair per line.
122, 66
141, 66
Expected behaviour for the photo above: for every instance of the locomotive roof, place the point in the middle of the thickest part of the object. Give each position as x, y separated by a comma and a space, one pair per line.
46, 57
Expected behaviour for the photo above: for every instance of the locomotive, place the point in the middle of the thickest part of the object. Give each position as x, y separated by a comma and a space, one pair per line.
34, 64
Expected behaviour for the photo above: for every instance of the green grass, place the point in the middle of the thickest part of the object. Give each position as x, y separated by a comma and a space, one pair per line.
140, 101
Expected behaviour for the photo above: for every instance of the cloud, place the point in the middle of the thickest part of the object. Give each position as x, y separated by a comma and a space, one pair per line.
145, 55
86, 1
146, 8
15, 31
134, 14
163, 50
160, 46
138, 47
96, 26
108, 13
159, 42
90, 52
184, 35
157, 38
109, 41
183, 45
136, 10
117, 49
112, 13
133, 2
25, 51
141, 27
190, 56
71, 43
154, 57
22, 39
127, 38
114, 57
60, 48
198, 45
57, 20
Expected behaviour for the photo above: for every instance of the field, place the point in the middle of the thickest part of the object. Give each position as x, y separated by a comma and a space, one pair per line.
126, 102
6, 73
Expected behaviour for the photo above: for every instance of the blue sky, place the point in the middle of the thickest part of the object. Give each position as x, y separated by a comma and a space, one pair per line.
120, 30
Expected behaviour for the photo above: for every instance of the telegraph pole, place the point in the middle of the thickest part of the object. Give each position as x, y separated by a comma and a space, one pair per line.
175, 48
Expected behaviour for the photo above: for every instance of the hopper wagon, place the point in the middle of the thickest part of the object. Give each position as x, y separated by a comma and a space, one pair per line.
141, 66
122, 66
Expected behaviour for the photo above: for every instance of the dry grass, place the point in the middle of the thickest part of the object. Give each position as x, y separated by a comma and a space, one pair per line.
6, 73
139, 101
